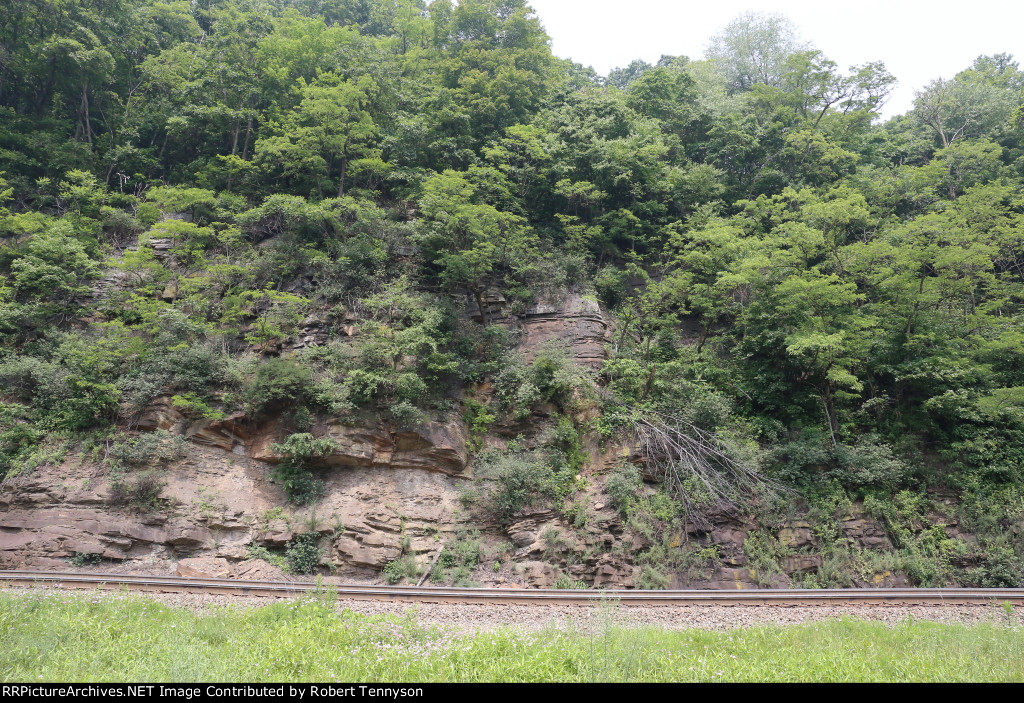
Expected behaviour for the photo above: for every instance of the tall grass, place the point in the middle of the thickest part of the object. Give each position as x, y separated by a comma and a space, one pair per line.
74, 637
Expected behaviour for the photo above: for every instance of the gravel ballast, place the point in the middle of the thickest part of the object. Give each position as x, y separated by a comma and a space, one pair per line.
484, 617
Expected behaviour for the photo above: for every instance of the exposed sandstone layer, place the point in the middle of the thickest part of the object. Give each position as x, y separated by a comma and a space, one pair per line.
576, 321
219, 502
390, 492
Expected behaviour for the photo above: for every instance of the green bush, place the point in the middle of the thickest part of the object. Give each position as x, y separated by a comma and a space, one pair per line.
464, 551
69, 390
278, 382
622, 485
303, 553
653, 578
256, 551
293, 473
567, 582
398, 569
140, 491
552, 377
158, 447
394, 571
458, 559
518, 479
811, 459
406, 415
85, 559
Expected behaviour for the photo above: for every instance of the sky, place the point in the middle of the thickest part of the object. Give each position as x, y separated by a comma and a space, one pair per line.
918, 41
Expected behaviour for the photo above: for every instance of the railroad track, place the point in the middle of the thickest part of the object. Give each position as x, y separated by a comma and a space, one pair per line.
508, 596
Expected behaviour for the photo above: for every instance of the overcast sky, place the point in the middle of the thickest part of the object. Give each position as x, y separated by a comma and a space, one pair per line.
917, 40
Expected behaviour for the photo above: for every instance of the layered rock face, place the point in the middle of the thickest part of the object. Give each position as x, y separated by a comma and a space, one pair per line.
576, 321
389, 491
218, 503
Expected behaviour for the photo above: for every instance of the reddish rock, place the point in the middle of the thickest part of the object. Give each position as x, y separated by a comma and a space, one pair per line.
576, 321
204, 567
613, 572
866, 533
797, 534
432, 446
537, 574
256, 570
801, 564
161, 414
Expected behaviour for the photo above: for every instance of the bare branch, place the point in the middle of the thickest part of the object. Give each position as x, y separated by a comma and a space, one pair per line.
694, 465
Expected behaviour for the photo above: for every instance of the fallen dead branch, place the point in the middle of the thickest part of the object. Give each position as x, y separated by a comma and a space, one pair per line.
697, 467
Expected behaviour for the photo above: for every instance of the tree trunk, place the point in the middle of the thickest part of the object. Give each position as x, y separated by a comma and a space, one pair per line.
245, 145
478, 295
341, 180
830, 416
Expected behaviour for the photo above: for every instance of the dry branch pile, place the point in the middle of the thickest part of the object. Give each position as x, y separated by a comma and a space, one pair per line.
696, 467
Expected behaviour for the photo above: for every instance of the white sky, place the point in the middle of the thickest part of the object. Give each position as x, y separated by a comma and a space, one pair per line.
917, 40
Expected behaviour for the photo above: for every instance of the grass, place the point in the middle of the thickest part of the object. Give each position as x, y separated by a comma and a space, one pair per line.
72, 637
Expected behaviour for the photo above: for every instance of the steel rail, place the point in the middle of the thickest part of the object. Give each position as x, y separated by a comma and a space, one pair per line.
510, 596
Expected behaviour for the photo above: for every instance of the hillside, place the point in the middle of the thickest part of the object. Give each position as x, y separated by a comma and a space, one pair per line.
370, 287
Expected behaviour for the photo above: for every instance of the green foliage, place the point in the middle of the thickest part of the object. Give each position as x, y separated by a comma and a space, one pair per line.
479, 419
86, 559
810, 458
254, 551
552, 377
158, 447
623, 485
139, 491
303, 554
399, 569
458, 559
566, 582
293, 472
278, 382
516, 478
299, 209
652, 578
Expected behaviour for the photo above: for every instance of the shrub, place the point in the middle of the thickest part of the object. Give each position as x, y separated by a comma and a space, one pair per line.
299, 483
810, 459
406, 415
870, 463
17, 438
256, 551
303, 553
458, 559
84, 559
302, 419
464, 551
518, 480
652, 578
148, 448
278, 382
303, 488
395, 571
140, 491
68, 392
622, 485
565, 581
553, 377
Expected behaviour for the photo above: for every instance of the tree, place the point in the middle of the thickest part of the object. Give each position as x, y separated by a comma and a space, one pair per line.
465, 240
53, 268
754, 48
322, 138
977, 102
